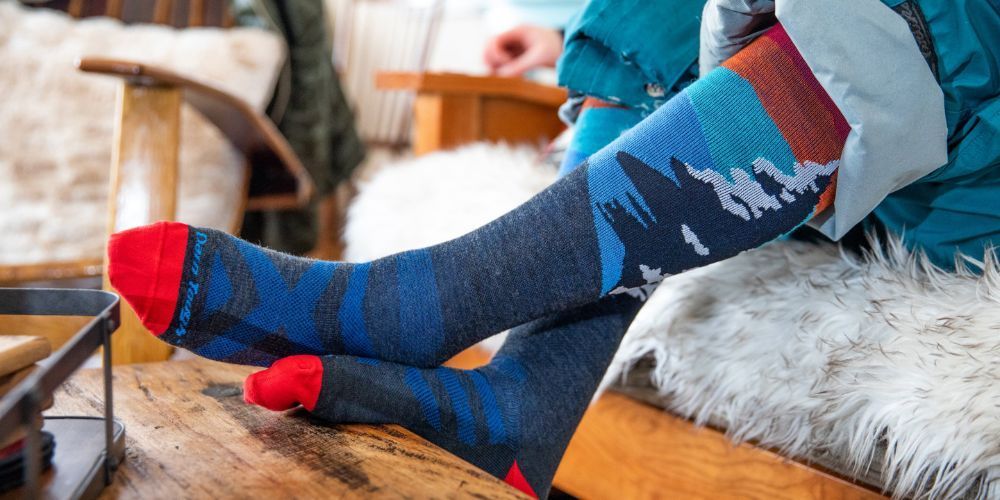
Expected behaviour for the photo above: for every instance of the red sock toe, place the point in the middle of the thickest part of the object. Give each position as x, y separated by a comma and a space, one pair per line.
288, 382
145, 265
516, 479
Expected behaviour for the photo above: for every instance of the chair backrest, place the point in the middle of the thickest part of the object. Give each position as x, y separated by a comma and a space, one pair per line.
176, 13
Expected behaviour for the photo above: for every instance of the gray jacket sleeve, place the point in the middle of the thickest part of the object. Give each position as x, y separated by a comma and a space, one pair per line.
866, 59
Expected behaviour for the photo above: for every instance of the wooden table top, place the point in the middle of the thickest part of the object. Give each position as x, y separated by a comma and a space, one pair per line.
189, 434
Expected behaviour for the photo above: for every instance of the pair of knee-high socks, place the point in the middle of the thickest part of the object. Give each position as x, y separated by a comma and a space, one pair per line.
747, 153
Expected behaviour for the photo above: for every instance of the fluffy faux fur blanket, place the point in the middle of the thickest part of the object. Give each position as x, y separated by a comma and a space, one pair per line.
879, 363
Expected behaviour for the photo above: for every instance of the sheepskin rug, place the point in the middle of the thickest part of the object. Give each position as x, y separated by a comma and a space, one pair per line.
57, 125
879, 366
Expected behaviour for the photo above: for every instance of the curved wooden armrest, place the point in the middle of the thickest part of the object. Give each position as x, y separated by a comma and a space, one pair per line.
278, 179
456, 83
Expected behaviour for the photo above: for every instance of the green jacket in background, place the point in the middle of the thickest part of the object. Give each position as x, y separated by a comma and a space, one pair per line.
311, 111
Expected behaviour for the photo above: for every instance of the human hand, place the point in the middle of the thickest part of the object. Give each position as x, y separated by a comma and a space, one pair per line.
526, 47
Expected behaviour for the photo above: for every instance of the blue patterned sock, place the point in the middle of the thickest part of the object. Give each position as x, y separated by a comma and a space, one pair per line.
740, 157
512, 418
461, 410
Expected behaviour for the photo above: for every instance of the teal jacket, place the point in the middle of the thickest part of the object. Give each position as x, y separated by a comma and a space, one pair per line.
958, 205
641, 52
638, 53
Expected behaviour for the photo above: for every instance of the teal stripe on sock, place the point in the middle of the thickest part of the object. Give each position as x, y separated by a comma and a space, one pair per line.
736, 125
351, 314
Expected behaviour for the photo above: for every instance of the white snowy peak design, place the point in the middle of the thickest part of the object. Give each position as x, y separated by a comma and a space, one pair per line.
653, 277
746, 197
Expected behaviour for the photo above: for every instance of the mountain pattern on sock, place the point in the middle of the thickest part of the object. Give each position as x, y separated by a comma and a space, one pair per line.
512, 418
740, 157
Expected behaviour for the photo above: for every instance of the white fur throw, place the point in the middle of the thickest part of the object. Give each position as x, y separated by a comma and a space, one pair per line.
56, 125
879, 363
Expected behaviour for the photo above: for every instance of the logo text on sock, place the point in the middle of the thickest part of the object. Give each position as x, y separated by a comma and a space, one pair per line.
200, 239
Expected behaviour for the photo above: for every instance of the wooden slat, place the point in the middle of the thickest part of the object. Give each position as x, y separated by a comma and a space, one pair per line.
75, 8
626, 449
162, 11
196, 13
114, 9
227, 17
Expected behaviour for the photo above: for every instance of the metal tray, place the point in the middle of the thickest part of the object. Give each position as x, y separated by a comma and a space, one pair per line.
22, 405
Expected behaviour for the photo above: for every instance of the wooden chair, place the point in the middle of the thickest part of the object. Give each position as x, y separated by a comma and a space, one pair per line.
623, 448
451, 109
144, 167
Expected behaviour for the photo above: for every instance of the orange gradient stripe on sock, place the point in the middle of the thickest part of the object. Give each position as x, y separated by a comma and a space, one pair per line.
790, 99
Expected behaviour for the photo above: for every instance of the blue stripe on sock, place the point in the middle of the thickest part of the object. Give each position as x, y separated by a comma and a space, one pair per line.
425, 397
736, 125
494, 420
672, 131
300, 324
279, 306
460, 404
420, 324
351, 316
219, 286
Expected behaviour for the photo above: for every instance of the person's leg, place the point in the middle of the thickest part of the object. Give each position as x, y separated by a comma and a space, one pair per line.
565, 393
512, 418
740, 157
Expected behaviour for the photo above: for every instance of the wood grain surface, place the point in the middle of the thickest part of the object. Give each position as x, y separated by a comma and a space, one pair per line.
190, 435
627, 449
